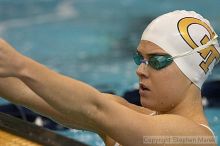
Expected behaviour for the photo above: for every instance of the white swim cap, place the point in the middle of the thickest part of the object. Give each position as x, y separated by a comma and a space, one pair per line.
190, 39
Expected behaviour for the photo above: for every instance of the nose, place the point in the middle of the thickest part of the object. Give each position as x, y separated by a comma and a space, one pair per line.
142, 70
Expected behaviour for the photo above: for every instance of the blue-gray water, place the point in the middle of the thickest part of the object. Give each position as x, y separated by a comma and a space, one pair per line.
91, 40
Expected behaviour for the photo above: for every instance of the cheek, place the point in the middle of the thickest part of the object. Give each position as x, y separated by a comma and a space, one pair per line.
169, 85
170, 78
164, 82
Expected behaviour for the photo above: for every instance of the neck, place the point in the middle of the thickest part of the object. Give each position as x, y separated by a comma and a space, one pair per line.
190, 107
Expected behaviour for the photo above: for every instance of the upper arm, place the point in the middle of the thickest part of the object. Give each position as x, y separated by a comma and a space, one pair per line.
128, 127
125, 103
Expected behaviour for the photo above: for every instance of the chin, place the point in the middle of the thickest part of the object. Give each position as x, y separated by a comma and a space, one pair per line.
147, 103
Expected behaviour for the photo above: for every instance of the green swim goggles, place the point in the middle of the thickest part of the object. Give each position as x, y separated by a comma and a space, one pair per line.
156, 61
159, 61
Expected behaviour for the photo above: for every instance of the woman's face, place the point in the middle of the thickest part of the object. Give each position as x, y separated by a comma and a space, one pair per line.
163, 89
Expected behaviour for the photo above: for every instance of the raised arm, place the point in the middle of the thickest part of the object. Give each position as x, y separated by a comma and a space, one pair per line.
17, 92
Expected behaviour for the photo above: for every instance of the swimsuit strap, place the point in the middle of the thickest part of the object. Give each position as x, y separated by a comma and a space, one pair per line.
153, 113
117, 144
208, 129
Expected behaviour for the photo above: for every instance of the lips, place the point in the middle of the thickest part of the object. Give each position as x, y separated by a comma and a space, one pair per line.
143, 87
143, 90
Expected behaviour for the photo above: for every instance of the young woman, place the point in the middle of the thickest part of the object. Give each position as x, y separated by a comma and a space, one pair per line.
176, 53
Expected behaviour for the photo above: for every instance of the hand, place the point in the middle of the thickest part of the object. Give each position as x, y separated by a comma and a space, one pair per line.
10, 60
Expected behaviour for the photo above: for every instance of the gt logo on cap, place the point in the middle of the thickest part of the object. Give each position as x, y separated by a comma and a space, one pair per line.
208, 54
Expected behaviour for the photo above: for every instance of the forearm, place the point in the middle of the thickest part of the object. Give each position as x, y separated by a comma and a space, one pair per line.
64, 94
17, 92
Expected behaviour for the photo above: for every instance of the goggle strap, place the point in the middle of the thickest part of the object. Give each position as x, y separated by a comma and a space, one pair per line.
209, 43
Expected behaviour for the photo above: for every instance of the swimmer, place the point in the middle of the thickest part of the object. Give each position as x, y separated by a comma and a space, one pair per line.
177, 52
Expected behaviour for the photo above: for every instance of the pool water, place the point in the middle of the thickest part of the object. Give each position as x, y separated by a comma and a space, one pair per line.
92, 40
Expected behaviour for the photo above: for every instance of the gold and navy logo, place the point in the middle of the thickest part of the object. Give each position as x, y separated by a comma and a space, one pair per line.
209, 54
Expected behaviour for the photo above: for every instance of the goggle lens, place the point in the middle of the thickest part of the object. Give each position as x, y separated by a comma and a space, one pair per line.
155, 61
